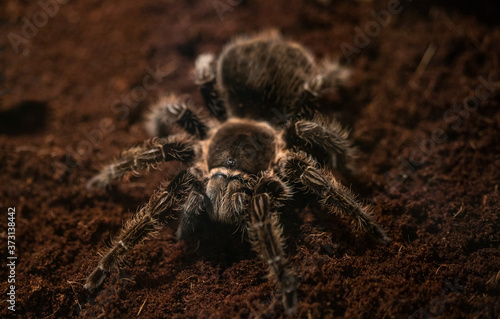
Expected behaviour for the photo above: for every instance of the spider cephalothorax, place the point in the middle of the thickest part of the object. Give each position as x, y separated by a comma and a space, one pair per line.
242, 170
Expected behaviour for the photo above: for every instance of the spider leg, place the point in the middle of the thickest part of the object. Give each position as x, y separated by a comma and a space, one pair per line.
206, 80
194, 210
331, 76
171, 110
322, 139
305, 105
266, 236
278, 191
150, 219
332, 195
149, 154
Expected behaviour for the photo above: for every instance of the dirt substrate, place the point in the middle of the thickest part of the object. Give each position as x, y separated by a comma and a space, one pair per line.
429, 165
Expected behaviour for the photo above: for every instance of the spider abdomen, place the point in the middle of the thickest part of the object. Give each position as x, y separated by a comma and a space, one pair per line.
259, 75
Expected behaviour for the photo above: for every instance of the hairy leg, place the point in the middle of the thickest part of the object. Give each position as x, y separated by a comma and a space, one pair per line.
332, 195
322, 139
331, 75
206, 80
171, 112
278, 191
152, 217
147, 155
266, 236
194, 210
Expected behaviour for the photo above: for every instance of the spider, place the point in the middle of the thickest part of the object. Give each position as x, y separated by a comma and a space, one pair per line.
240, 167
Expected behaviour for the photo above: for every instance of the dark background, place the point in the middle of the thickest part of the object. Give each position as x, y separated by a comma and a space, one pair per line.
72, 96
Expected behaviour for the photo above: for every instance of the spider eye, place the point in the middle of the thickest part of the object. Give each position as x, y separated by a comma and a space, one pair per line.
230, 162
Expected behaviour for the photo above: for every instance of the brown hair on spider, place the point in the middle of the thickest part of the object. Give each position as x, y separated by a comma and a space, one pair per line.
238, 169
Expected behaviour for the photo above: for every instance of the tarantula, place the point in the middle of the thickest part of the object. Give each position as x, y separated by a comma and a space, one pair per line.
239, 169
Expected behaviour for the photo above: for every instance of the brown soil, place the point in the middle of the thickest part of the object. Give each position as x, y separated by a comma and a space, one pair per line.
429, 165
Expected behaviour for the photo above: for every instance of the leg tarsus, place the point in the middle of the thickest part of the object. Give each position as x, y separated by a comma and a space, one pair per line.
266, 236
146, 222
171, 112
206, 80
95, 279
331, 76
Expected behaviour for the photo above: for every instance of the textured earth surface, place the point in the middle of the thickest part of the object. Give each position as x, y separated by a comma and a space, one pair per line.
422, 104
